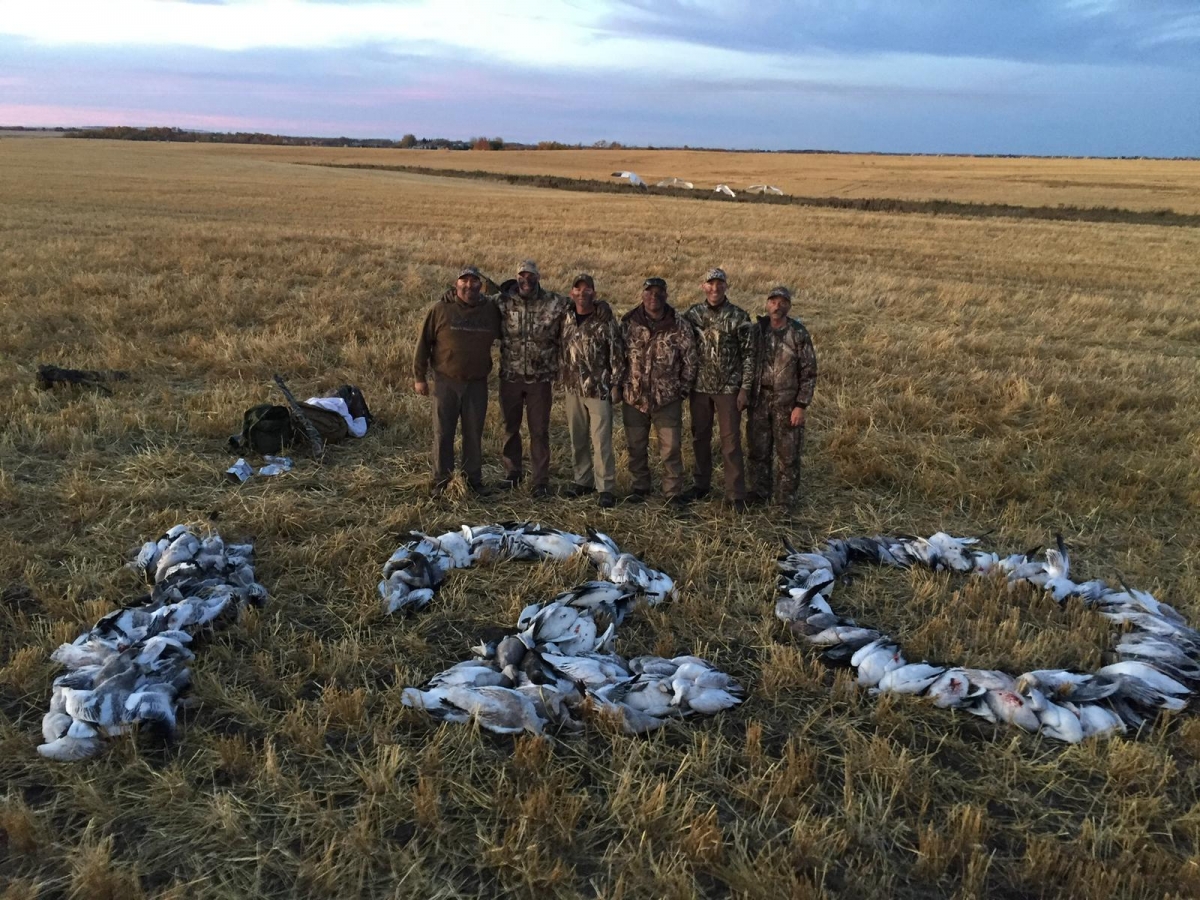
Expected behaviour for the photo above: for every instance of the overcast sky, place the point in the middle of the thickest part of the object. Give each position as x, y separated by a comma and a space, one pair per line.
1078, 77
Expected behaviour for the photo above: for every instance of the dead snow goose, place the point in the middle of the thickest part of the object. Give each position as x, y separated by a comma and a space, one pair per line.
499, 709
1057, 722
909, 679
878, 662
952, 689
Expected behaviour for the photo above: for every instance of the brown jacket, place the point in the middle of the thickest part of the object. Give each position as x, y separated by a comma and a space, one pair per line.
457, 339
662, 359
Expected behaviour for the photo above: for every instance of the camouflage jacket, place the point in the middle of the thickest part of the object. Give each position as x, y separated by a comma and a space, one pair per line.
787, 363
727, 348
593, 353
530, 335
662, 359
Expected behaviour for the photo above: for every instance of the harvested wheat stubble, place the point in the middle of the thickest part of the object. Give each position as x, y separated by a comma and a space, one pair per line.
558, 667
1031, 375
1157, 668
131, 667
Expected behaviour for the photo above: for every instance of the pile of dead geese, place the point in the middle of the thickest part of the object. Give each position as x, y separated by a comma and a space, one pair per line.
131, 667
559, 666
1157, 667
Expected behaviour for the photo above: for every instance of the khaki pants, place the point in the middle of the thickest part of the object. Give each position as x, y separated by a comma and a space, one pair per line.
668, 423
589, 419
722, 407
532, 398
455, 402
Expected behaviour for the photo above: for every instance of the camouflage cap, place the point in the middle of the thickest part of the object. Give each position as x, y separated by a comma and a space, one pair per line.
780, 291
528, 266
715, 274
586, 278
470, 271
654, 283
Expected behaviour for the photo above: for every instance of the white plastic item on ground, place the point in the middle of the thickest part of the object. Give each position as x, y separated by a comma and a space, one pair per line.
276, 465
239, 471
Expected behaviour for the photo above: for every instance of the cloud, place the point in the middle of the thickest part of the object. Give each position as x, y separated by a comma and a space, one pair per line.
1084, 31
861, 75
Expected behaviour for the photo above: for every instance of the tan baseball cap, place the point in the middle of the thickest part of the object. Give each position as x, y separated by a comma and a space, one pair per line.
529, 266
780, 291
715, 274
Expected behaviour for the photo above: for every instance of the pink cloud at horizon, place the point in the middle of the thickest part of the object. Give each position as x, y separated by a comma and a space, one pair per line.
52, 116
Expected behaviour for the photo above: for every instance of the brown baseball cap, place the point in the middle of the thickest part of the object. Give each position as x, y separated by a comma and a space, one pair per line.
654, 283
586, 278
529, 266
780, 291
470, 272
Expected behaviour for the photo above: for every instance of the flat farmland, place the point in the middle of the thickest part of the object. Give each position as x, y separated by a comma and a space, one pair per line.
1136, 184
1014, 377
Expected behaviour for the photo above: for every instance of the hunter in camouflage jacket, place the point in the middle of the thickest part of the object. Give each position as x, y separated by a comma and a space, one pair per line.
662, 359
530, 334
593, 353
727, 348
787, 363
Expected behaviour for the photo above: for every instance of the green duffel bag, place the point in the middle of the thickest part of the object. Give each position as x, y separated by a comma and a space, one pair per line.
266, 429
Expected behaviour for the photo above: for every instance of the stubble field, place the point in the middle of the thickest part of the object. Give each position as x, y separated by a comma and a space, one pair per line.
1016, 377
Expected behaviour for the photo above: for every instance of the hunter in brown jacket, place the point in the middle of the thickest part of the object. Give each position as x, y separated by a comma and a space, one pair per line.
456, 342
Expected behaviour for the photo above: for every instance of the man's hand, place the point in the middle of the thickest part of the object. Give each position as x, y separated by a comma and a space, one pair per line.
743, 399
421, 387
797, 416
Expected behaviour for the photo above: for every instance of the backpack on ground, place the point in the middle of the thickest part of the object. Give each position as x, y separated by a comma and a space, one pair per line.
270, 429
266, 429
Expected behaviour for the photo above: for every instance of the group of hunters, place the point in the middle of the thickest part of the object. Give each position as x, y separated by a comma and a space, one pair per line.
650, 361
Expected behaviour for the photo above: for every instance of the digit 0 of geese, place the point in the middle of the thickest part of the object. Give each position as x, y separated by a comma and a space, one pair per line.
1157, 658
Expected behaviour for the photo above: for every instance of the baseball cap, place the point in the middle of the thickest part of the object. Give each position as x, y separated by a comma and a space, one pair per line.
715, 274
584, 276
654, 283
780, 291
529, 266
470, 271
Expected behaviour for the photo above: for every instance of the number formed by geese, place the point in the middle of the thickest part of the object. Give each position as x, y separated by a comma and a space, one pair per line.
1158, 665
559, 665
131, 667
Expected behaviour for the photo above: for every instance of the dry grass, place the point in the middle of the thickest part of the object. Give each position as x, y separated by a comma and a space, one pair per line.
1140, 184
1016, 376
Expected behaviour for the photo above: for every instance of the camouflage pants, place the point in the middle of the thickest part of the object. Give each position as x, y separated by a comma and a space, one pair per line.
769, 432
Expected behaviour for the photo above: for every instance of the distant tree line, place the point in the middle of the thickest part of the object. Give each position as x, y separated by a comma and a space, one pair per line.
407, 142
183, 135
